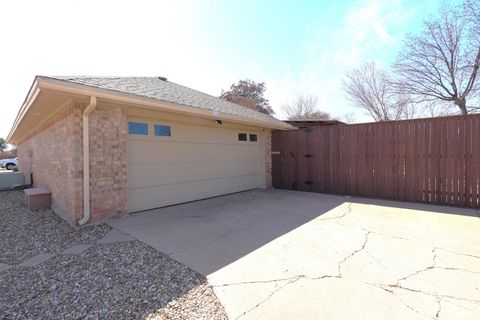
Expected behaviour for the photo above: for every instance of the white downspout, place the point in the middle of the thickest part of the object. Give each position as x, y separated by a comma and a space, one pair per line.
86, 160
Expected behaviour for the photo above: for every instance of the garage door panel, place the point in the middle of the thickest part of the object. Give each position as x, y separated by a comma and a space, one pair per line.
154, 152
233, 152
161, 174
200, 134
195, 163
234, 184
161, 196
144, 152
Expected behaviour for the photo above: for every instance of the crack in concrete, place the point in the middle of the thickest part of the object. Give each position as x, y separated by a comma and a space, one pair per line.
296, 278
439, 301
385, 287
390, 291
437, 296
259, 281
398, 285
268, 297
349, 210
457, 269
353, 253
433, 294
434, 261
413, 240
407, 239
433, 266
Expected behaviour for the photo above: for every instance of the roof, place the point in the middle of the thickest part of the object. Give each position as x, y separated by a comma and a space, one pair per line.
47, 95
313, 122
158, 88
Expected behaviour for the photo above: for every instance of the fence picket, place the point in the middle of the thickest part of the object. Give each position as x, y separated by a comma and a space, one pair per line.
423, 160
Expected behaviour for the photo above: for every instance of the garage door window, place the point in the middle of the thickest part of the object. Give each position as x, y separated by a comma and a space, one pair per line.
242, 137
140, 128
253, 137
161, 130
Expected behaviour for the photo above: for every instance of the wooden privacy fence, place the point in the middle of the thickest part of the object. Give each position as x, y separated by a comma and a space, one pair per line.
433, 160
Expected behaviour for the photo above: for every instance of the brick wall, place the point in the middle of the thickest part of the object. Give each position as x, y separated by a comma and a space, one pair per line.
268, 159
108, 163
54, 153
51, 152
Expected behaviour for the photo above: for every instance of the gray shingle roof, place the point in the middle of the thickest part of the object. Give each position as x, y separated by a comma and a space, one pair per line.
155, 88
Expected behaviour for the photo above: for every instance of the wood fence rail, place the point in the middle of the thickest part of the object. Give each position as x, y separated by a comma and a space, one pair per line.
435, 160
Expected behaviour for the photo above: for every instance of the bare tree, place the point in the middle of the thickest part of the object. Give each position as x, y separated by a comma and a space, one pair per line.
472, 9
304, 106
438, 109
369, 88
348, 117
442, 62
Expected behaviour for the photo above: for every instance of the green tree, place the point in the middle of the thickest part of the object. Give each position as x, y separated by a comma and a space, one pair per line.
250, 89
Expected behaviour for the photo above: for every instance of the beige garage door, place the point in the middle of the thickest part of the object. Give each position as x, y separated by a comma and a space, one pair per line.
171, 163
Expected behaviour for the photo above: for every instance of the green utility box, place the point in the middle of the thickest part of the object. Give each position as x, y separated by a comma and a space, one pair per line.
11, 180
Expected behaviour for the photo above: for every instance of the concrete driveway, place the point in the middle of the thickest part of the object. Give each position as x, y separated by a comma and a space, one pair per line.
292, 255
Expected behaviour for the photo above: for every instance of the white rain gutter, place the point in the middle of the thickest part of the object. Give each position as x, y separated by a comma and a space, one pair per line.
86, 161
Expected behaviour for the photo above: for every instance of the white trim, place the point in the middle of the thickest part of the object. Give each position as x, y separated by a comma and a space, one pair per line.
29, 99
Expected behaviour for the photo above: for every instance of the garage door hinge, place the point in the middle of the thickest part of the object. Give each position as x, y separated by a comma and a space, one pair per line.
308, 155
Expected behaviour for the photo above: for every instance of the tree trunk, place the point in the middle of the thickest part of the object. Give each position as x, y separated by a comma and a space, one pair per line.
462, 104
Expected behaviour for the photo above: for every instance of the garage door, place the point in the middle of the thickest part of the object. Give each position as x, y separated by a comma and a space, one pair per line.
171, 163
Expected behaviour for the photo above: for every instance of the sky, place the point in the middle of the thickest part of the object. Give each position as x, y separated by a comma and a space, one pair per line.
293, 46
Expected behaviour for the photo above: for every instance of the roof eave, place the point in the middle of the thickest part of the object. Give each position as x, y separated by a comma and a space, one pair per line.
29, 99
79, 89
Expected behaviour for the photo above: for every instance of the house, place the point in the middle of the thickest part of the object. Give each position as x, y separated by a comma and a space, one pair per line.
109, 146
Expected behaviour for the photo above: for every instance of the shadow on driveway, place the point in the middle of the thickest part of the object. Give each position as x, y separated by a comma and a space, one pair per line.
210, 234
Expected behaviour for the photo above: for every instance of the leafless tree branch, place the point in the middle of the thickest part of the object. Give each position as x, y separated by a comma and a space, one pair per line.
304, 106
370, 88
442, 62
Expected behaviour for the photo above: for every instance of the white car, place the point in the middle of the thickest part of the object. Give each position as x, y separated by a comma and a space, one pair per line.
9, 164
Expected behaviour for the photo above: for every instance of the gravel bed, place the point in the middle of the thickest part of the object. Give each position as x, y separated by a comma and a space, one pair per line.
126, 280
25, 233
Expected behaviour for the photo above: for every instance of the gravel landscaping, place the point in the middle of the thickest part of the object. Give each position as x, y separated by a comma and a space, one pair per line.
117, 280
25, 233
